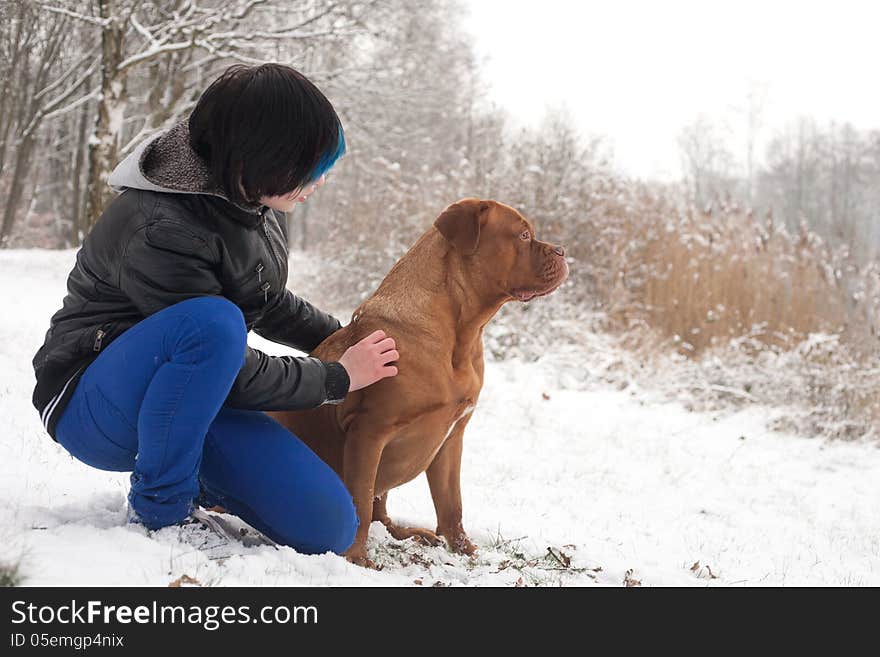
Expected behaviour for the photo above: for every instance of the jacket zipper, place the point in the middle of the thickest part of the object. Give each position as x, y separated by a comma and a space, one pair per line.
99, 337
268, 239
267, 285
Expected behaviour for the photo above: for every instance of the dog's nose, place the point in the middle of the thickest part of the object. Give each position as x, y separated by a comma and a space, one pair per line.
558, 250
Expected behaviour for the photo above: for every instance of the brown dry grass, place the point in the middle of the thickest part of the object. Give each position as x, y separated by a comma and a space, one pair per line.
716, 278
704, 278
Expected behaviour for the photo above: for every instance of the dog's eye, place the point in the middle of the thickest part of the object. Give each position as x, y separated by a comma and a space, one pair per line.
525, 235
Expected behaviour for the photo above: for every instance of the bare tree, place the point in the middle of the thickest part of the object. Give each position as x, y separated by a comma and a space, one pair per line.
827, 178
169, 48
753, 112
706, 161
43, 82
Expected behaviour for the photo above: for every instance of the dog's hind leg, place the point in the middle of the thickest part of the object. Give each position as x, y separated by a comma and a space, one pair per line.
398, 532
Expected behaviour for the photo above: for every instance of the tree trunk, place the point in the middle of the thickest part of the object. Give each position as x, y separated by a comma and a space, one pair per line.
16, 187
104, 142
77, 225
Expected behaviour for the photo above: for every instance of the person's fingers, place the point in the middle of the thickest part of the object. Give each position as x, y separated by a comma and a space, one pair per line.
389, 370
389, 356
384, 345
375, 336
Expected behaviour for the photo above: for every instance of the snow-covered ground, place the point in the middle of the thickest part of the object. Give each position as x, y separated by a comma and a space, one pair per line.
564, 484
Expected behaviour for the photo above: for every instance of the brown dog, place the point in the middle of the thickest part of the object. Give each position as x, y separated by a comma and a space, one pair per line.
434, 302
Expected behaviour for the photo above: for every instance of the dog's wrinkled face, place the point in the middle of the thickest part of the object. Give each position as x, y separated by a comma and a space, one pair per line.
498, 247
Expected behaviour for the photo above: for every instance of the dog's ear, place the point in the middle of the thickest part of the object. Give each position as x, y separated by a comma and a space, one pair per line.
460, 224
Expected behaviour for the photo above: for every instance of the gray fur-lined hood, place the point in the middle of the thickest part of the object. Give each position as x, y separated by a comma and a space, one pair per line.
167, 163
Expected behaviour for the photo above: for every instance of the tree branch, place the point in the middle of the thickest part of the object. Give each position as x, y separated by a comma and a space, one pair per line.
66, 12
152, 53
61, 78
143, 31
93, 94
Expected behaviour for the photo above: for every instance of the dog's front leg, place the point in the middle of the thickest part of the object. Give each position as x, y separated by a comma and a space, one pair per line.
444, 478
360, 465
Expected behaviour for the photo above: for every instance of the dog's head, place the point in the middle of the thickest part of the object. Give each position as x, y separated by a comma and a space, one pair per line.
498, 249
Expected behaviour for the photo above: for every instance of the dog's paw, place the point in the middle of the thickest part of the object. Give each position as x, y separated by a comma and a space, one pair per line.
459, 543
364, 562
360, 558
419, 535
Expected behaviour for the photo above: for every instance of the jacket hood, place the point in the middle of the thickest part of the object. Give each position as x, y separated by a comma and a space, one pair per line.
167, 163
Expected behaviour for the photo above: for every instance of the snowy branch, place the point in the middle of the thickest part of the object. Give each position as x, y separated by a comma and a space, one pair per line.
292, 35
219, 52
244, 10
49, 111
152, 53
93, 94
143, 31
52, 104
195, 27
327, 10
66, 12
57, 83
178, 22
199, 63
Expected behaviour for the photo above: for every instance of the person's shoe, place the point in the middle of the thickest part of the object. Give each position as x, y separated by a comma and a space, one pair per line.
132, 517
216, 535
203, 532
134, 520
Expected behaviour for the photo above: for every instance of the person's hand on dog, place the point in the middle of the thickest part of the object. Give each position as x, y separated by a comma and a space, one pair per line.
367, 361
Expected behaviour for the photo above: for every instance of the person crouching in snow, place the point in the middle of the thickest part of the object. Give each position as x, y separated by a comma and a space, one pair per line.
146, 366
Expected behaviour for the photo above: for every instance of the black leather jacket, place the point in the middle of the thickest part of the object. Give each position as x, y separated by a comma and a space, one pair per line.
151, 249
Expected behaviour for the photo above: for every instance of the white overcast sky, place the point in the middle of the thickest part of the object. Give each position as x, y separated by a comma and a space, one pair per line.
637, 71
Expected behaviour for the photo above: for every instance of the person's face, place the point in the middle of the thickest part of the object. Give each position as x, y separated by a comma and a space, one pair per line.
287, 202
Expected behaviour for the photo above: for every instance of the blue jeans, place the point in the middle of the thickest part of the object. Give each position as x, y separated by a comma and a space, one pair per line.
152, 404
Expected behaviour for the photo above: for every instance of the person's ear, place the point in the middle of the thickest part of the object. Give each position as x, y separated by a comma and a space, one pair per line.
460, 224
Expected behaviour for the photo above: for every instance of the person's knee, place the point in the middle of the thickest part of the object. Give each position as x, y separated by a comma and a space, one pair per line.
220, 321
337, 525
346, 523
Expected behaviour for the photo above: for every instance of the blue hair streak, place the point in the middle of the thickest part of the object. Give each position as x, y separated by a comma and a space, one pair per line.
329, 158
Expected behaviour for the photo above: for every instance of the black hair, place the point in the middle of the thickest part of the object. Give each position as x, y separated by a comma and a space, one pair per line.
266, 128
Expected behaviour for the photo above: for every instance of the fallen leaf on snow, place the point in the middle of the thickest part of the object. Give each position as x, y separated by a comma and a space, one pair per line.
184, 580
